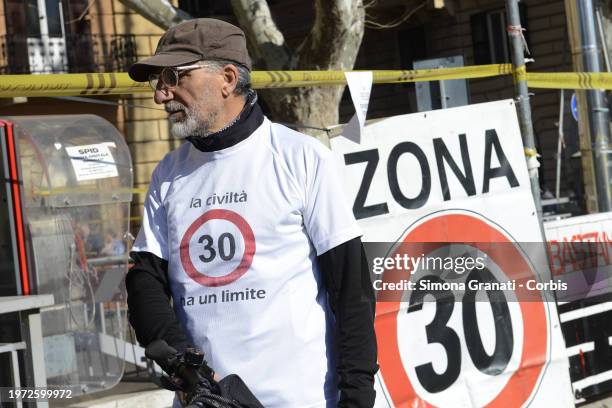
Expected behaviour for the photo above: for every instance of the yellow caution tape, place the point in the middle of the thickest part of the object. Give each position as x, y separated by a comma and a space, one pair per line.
69, 85
86, 190
520, 74
121, 84
570, 80
287, 79
531, 152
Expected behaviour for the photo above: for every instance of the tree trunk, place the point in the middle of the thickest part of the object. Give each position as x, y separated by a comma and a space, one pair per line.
266, 42
159, 12
332, 44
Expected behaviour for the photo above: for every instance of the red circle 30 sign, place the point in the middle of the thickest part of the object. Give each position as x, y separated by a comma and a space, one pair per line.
446, 227
247, 257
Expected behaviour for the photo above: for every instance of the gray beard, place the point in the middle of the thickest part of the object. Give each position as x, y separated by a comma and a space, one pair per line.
191, 126
250, 99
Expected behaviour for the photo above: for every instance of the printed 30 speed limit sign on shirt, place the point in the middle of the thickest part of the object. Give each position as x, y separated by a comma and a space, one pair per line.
456, 175
241, 228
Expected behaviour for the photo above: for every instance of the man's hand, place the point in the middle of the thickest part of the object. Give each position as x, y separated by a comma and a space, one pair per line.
182, 396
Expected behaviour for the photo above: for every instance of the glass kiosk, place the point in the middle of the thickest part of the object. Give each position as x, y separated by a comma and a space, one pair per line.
64, 230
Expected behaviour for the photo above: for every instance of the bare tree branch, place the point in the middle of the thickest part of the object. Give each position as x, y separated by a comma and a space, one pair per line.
335, 37
159, 12
266, 39
369, 23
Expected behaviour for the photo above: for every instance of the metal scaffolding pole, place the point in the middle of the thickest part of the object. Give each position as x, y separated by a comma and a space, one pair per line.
597, 107
515, 34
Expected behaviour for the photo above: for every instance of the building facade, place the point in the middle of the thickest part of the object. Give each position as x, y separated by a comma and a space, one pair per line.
53, 36
76, 36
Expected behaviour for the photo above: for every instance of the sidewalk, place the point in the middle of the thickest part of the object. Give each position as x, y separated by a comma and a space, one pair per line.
123, 395
148, 395
603, 403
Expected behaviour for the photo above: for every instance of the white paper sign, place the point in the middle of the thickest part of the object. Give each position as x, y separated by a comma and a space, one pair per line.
458, 175
579, 249
360, 85
91, 162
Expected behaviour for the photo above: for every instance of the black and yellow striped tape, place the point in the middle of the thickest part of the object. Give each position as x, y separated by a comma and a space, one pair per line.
120, 83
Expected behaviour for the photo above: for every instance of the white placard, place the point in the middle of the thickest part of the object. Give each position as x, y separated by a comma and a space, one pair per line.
360, 86
448, 176
91, 162
579, 249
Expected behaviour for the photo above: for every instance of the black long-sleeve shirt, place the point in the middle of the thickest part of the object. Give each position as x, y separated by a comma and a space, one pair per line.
351, 298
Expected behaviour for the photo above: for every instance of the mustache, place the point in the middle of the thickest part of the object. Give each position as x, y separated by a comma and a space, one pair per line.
174, 106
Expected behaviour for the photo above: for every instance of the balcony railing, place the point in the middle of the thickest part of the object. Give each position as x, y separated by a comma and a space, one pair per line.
87, 53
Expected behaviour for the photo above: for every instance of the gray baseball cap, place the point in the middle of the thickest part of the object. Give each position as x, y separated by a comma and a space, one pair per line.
191, 41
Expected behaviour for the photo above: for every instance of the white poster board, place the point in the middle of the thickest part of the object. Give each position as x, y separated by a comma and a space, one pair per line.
455, 175
580, 250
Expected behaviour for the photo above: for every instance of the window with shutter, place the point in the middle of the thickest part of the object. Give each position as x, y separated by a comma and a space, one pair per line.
489, 37
35, 40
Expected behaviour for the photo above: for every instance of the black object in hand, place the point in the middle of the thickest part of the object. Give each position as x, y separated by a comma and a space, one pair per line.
189, 372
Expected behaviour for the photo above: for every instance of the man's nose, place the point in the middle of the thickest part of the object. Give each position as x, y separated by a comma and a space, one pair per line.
162, 95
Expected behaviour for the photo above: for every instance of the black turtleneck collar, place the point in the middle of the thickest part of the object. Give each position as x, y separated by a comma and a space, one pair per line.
249, 119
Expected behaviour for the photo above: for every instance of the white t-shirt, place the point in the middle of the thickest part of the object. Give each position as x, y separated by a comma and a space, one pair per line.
241, 228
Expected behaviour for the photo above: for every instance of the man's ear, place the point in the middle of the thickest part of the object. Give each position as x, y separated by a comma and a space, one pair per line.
230, 79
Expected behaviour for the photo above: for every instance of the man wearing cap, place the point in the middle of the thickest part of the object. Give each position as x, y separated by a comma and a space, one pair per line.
246, 230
